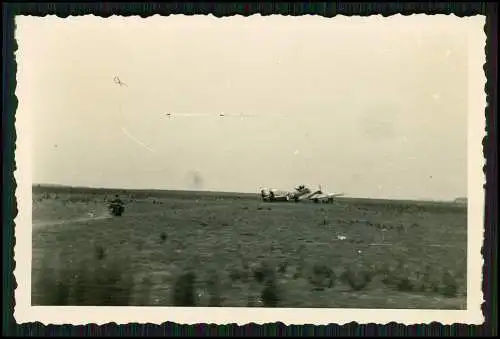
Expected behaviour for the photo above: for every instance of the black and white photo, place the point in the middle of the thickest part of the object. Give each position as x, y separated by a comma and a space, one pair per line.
250, 169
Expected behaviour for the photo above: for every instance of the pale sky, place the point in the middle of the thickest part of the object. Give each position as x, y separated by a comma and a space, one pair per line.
372, 107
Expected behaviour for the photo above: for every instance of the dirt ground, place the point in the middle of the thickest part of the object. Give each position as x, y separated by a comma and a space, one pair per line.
356, 254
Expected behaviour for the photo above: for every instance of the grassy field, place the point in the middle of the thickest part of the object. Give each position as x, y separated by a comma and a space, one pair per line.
217, 249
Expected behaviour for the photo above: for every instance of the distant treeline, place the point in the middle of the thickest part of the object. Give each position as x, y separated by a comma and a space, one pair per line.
137, 193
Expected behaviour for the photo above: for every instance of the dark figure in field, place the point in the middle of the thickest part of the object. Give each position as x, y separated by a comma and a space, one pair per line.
117, 200
117, 207
271, 196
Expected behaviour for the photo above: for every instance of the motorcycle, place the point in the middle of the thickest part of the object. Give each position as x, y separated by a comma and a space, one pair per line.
116, 209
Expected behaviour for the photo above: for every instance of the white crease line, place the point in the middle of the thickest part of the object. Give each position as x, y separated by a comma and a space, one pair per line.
136, 141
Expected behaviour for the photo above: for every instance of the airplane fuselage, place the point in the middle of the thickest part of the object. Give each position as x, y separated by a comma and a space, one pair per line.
299, 194
280, 195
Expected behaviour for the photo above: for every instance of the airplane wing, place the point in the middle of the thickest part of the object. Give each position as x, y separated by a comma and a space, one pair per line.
315, 196
335, 194
303, 197
321, 196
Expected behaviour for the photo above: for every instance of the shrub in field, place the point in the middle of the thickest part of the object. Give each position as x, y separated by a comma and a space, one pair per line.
295, 272
449, 285
357, 278
398, 278
144, 296
428, 281
283, 267
270, 293
214, 291
406, 279
100, 253
89, 282
183, 293
264, 272
321, 277
237, 273
51, 288
113, 285
404, 284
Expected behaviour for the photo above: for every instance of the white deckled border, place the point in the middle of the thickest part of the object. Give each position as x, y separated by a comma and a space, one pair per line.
24, 312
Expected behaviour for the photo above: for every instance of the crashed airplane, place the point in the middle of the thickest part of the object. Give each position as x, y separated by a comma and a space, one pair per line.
272, 195
301, 193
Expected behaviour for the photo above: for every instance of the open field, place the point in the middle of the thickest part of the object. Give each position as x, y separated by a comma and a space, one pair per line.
218, 249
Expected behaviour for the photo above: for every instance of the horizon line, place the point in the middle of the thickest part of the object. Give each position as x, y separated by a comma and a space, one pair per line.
230, 192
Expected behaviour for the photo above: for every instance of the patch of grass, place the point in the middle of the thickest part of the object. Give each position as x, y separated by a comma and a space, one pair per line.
136, 257
94, 282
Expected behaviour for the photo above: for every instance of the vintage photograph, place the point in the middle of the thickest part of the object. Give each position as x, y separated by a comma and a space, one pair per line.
250, 163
